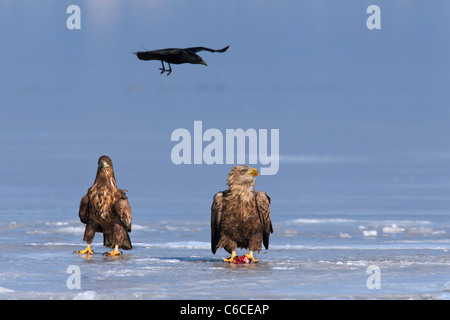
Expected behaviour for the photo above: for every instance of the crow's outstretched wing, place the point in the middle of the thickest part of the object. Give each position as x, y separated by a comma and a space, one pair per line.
197, 49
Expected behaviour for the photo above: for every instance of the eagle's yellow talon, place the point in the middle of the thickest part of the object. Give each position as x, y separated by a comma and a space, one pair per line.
85, 251
250, 257
113, 253
231, 259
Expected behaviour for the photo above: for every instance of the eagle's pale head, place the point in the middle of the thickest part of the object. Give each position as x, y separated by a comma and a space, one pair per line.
242, 175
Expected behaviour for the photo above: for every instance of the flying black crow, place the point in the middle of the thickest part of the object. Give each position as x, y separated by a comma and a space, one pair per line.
176, 56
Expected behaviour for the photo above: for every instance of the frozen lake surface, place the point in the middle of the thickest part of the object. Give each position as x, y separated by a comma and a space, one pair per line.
319, 254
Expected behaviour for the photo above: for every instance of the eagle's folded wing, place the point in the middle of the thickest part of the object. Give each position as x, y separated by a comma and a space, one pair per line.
123, 210
83, 212
216, 216
263, 206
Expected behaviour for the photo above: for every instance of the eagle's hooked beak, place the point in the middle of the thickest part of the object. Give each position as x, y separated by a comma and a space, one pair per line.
102, 165
253, 172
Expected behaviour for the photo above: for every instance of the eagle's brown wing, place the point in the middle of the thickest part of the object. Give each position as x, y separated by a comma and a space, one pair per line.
263, 207
216, 216
83, 212
123, 210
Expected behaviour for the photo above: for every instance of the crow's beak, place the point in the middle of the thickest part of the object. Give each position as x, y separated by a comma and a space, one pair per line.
203, 63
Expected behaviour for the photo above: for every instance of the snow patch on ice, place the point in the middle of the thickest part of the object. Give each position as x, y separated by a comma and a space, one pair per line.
5, 290
71, 230
57, 223
319, 221
87, 295
283, 268
369, 233
179, 245
424, 231
138, 227
357, 263
394, 228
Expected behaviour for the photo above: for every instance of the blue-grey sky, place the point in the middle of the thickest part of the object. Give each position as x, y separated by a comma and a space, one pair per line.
312, 69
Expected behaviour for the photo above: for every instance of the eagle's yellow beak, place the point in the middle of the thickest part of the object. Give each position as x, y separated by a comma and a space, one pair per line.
102, 165
253, 172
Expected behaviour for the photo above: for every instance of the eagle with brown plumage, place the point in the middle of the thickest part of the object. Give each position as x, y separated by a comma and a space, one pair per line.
105, 209
240, 215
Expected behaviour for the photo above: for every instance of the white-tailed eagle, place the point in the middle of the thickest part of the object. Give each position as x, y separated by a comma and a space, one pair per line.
105, 209
240, 215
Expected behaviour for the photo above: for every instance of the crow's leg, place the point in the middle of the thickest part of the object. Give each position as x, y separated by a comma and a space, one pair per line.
162, 69
170, 69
